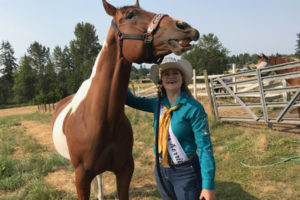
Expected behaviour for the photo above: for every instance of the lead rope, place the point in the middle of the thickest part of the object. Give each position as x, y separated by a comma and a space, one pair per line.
159, 87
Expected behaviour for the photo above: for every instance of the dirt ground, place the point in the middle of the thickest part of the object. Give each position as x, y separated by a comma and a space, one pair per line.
60, 179
18, 111
64, 180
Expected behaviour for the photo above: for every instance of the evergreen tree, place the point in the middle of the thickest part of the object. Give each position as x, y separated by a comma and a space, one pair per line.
297, 54
25, 79
84, 50
4, 91
65, 71
44, 69
243, 59
39, 58
208, 54
143, 71
7, 67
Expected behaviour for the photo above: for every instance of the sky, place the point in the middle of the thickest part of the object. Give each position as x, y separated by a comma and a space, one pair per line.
242, 26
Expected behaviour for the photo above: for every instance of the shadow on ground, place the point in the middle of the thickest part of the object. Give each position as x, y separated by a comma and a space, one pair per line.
148, 191
224, 191
232, 191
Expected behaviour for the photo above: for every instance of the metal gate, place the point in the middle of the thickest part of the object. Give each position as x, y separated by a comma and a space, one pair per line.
257, 91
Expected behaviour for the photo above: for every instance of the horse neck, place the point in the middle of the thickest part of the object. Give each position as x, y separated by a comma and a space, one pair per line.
107, 94
279, 60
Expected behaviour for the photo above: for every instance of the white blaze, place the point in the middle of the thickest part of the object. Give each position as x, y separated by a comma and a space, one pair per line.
262, 65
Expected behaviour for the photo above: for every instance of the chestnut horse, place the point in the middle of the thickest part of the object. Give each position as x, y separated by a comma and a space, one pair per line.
265, 61
91, 128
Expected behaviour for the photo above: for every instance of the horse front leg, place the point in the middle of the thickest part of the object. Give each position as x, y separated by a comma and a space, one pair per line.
83, 183
124, 176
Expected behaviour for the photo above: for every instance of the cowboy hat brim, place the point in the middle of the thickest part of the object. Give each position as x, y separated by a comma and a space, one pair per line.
182, 65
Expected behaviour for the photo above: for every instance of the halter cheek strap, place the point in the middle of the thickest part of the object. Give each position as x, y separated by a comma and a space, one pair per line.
146, 37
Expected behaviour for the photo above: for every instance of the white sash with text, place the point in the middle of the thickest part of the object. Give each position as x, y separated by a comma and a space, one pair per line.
175, 150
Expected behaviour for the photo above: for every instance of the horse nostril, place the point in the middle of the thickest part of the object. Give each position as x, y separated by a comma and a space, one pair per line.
182, 25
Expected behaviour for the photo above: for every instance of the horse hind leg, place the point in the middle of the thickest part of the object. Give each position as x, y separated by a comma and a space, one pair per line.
97, 185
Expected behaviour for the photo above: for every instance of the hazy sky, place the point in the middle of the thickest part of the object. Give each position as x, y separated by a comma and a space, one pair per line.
242, 26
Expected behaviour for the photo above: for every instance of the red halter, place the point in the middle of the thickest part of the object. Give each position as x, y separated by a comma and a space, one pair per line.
146, 37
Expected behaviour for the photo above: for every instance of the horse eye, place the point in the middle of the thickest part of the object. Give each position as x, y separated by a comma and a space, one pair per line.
130, 15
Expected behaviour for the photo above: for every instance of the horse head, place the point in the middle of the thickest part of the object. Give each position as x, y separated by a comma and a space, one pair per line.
262, 62
144, 36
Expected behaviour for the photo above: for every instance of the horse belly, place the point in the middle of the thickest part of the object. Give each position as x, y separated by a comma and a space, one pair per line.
58, 136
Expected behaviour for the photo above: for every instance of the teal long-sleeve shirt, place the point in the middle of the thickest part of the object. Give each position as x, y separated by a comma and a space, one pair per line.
190, 126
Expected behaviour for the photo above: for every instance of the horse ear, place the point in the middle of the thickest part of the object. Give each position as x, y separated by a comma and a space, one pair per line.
110, 9
259, 56
137, 4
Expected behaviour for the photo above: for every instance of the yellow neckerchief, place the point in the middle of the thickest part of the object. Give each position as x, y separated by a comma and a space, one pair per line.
164, 124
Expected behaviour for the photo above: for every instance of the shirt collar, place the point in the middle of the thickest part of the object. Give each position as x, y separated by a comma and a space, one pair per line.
182, 99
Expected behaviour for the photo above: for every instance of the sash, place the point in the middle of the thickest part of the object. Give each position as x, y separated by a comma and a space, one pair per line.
175, 150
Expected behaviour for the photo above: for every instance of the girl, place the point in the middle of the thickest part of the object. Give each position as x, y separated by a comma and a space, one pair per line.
187, 163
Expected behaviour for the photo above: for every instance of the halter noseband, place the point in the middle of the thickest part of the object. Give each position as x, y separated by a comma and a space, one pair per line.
146, 37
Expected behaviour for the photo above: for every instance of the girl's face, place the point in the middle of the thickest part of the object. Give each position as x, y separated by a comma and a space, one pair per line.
172, 79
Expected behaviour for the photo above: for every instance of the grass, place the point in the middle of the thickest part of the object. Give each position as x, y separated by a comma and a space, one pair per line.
234, 181
23, 178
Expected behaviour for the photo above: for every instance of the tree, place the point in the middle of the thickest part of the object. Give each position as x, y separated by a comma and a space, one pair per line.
143, 71
39, 58
243, 59
7, 66
208, 54
25, 79
84, 50
65, 71
44, 68
297, 54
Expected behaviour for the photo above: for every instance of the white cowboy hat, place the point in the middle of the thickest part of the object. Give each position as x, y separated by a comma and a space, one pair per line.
182, 65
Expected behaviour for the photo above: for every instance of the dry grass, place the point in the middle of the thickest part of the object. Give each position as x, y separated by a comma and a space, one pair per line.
232, 143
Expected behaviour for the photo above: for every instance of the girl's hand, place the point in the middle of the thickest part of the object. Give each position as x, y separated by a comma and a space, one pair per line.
207, 195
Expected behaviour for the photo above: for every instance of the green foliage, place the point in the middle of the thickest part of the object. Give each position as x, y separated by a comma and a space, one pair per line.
7, 66
25, 81
140, 73
243, 59
65, 70
208, 54
43, 78
84, 50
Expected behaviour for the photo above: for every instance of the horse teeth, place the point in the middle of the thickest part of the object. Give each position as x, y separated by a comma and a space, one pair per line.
184, 43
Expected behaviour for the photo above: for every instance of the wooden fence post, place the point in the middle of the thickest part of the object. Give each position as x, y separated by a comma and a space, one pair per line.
208, 90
